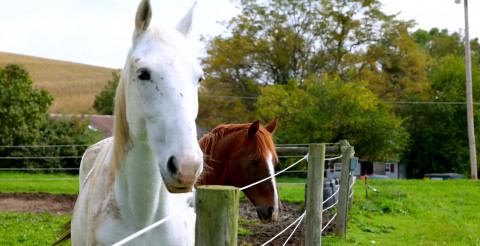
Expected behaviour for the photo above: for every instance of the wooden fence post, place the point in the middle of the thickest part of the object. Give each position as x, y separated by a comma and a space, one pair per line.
350, 192
314, 203
343, 193
217, 215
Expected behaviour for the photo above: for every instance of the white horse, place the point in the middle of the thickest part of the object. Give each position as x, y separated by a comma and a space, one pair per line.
154, 151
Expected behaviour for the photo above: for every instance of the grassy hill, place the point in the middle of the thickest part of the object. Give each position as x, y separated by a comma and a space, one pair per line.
73, 85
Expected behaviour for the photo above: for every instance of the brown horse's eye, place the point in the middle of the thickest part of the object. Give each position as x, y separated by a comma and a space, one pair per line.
254, 163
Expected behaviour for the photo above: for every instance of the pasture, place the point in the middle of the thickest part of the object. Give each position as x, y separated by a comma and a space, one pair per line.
73, 85
404, 212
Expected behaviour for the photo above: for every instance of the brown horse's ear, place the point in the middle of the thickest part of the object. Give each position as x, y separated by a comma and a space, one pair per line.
253, 128
272, 125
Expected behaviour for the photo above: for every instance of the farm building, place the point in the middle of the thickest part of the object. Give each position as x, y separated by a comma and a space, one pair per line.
390, 170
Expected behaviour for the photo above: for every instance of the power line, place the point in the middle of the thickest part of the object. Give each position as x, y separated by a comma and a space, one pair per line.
230, 97
38, 157
431, 103
44, 146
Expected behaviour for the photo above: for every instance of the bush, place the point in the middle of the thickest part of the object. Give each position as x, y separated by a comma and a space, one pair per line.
63, 142
104, 101
25, 123
22, 108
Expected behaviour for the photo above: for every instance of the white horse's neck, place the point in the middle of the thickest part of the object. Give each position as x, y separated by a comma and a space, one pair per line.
140, 187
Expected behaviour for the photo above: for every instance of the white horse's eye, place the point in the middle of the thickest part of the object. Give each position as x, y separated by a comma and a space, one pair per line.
201, 79
143, 74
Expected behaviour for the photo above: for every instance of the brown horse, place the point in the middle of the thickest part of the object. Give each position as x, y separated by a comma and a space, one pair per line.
241, 154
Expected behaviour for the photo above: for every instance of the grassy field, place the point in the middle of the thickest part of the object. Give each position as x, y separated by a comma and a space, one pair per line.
73, 85
404, 212
32, 183
30, 229
414, 212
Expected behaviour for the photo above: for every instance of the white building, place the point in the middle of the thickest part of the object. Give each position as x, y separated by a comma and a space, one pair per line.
391, 170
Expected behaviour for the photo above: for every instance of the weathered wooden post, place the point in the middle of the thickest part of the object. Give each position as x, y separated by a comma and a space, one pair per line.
350, 191
341, 219
314, 205
217, 215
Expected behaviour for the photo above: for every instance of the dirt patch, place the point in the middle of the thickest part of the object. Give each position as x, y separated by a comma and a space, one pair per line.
260, 233
37, 203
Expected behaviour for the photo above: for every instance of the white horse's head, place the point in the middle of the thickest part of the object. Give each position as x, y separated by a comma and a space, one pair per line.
161, 96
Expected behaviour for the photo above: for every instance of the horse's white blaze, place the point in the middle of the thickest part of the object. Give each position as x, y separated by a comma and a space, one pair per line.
271, 169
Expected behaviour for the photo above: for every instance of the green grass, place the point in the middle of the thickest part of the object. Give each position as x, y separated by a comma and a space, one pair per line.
292, 180
30, 229
38, 182
414, 212
404, 212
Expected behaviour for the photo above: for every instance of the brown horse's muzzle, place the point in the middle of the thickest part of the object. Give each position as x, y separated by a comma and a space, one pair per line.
267, 214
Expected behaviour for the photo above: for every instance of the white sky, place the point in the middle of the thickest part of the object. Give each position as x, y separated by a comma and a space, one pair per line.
98, 32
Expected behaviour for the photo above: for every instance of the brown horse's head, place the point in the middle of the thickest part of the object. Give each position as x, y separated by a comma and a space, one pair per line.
241, 154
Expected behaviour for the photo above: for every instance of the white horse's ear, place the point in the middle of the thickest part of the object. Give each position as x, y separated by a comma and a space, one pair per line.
185, 25
143, 17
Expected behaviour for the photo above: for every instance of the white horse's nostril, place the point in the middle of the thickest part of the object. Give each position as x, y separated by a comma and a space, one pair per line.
172, 165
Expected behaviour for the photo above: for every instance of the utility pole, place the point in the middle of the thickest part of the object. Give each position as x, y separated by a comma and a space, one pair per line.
468, 73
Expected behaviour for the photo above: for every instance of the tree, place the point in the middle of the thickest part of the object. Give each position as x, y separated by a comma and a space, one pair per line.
395, 67
439, 140
25, 121
272, 42
105, 100
23, 109
329, 110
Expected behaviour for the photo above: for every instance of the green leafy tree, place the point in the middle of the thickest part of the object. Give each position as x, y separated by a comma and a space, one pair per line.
439, 138
23, 109
329, 110
395, 67
105, 100
439, 43
272, 42
26, 127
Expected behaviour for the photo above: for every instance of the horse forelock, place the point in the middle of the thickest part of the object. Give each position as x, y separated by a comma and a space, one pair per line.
262, 140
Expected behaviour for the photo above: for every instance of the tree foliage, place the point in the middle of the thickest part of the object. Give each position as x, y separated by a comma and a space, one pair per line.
330, 110
276, 52
394, 66
105, 100
439, 138
23, 109
272, 43
26, 129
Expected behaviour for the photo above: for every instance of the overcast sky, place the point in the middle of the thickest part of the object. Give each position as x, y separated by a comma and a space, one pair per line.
98, 32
